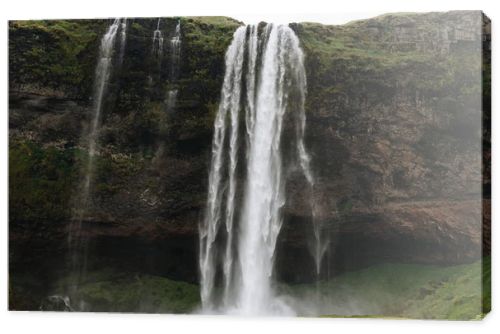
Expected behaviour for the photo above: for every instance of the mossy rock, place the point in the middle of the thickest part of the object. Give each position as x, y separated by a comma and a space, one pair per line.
41, 181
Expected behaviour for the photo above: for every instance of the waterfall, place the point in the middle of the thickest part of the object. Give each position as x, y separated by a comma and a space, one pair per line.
102, 75
275, 84
77, 244
171, 99
320, 242
210, 226
175, 52
173, 71
158, 41
175, 56
123, 41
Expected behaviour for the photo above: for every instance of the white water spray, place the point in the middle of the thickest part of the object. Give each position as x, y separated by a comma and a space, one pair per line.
175, 52
171, 100
123, 41
158, 41
248, 257
175, 58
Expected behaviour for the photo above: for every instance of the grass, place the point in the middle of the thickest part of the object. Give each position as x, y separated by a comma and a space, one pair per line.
343, 42
401, 291
215, 21
73, 34
109, 291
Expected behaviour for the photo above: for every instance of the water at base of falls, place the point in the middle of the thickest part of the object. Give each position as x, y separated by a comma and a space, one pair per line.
242, 222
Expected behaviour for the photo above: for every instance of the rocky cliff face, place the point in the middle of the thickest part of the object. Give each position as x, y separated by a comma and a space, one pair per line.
394, 127
395, 130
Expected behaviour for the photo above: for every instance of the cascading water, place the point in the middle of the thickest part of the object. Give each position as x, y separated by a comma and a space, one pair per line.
320, 241
102, 75
175, 49
175, 56
123, 41
171, 99
210, 226
273, 63
158, 41
77, 244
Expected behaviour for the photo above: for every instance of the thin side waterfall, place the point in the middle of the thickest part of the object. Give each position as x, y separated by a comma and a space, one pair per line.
269, 67
102, 75
320, 242
158, 41
123, 41
175, 49
175, 57
77, 244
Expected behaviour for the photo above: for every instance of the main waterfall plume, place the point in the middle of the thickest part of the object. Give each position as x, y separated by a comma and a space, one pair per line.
264, 82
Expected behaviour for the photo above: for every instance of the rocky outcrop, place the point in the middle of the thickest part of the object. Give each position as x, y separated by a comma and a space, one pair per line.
393, 127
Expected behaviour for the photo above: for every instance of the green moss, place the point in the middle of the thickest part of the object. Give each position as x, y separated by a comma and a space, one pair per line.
53, 54
113, 171
41, 181
144, 128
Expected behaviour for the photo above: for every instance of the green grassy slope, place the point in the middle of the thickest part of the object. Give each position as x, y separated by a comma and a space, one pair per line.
402, 291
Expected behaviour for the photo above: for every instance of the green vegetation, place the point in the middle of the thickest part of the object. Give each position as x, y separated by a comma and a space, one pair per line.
41, 181
56, 55
486, 285
222, 22
114, 170
383, 291
108, 291
44, 179
404, 291
351, 43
